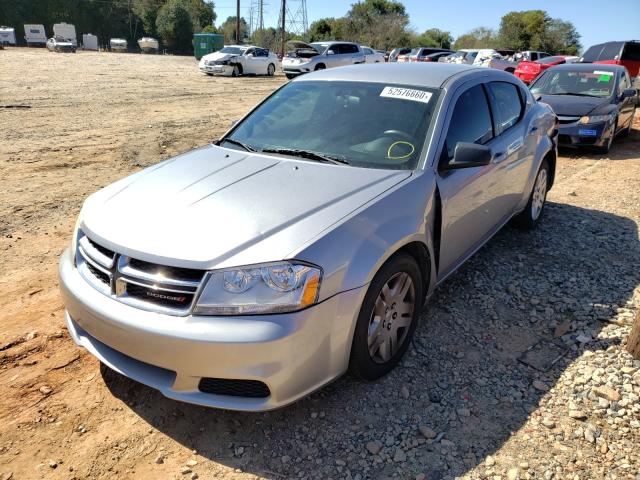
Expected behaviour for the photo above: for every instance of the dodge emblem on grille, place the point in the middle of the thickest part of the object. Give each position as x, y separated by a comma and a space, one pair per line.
166, 297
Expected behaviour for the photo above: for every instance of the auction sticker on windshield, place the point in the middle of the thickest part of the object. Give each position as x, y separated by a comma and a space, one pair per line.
406, 94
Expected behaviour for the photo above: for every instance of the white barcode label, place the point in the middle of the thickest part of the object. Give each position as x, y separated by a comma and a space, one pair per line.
406, 94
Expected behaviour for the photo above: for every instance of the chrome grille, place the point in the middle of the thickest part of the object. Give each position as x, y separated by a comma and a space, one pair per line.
145, 285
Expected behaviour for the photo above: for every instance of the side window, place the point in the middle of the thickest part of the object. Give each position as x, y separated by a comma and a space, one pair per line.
250, 51
631, 52
347, 48
471, 120
534, 56
624, 83
508, 105
261, 52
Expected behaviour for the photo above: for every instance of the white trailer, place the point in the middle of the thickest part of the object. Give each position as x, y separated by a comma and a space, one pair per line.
89, 42
66, 31
35, 35
7, 35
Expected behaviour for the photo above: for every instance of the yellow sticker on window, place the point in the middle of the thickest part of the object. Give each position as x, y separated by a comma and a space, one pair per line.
397, 144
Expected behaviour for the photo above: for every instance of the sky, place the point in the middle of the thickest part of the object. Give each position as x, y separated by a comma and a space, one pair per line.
596, 20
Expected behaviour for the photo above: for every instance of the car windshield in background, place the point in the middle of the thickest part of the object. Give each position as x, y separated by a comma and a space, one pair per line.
596, 83
320, 47
550, 59
372, 125
233, 50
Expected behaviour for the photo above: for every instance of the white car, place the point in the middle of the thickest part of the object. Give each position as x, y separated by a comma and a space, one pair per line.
234, 60
59, 44
372, 56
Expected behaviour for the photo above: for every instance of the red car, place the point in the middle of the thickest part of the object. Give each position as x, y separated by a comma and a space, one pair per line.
528, 71
618, 53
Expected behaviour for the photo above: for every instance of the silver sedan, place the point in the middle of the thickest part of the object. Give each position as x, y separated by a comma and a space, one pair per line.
304, 243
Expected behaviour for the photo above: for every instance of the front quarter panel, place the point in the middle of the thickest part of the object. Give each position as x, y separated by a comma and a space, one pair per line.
352, 252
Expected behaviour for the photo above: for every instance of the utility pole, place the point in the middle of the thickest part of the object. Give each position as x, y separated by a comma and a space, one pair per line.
283, 33
238, 22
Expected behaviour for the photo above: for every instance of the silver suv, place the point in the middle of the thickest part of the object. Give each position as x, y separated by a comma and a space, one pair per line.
307, 57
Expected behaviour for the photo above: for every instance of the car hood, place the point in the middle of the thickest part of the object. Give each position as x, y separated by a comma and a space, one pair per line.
573, 106
216, 207
219, 56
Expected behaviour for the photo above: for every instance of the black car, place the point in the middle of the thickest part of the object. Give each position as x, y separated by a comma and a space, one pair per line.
594, 102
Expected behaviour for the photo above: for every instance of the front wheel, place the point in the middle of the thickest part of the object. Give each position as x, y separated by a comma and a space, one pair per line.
290, 76
532, 213
387, 318
236, 71
271, 69
607, 146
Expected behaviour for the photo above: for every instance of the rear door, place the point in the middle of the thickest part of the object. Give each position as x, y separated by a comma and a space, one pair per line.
515, 140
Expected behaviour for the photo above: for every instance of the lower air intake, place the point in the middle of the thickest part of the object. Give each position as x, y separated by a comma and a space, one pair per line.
234, 388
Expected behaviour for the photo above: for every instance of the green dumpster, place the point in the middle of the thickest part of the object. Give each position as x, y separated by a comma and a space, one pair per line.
204, 43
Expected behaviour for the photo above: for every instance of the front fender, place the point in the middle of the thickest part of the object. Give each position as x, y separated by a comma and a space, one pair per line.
352, 252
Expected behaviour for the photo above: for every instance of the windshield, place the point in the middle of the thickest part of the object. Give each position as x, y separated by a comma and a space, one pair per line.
591, 83
550, 59
372, 125
320, 47
233, 50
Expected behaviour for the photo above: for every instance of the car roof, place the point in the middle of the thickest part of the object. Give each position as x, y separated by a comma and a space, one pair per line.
331, 42
589, 67
425, 74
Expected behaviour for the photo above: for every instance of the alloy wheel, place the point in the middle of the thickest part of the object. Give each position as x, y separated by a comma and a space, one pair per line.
391, 317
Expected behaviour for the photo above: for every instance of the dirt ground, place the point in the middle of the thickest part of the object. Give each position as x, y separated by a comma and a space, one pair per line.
95, 117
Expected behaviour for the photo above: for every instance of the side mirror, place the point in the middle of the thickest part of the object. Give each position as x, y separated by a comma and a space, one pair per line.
249, 55
469, 155
330, 52
628, 93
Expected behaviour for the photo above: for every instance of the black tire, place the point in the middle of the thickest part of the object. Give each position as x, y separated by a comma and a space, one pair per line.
361, 363
607, 146
320, 66
210, 74
290, 76
627, 131
271, 69
236, 71
528, 218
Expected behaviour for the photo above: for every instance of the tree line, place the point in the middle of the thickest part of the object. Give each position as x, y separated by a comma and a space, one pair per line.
381, 24
384, 24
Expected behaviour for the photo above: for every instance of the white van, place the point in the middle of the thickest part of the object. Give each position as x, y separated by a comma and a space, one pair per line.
7, 35
66, 31
35, 35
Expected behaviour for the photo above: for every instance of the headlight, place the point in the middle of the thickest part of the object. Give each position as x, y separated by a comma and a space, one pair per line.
258, 289
596, 118
74, 239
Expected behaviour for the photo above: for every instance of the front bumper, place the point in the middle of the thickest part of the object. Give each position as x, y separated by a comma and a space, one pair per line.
293, 354
225, 70
297, 68
583, 135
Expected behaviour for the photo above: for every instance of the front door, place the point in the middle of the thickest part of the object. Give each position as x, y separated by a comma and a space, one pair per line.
474, 200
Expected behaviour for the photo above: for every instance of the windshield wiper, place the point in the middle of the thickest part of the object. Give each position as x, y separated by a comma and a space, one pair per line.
248, 148
308, 154
574, 94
